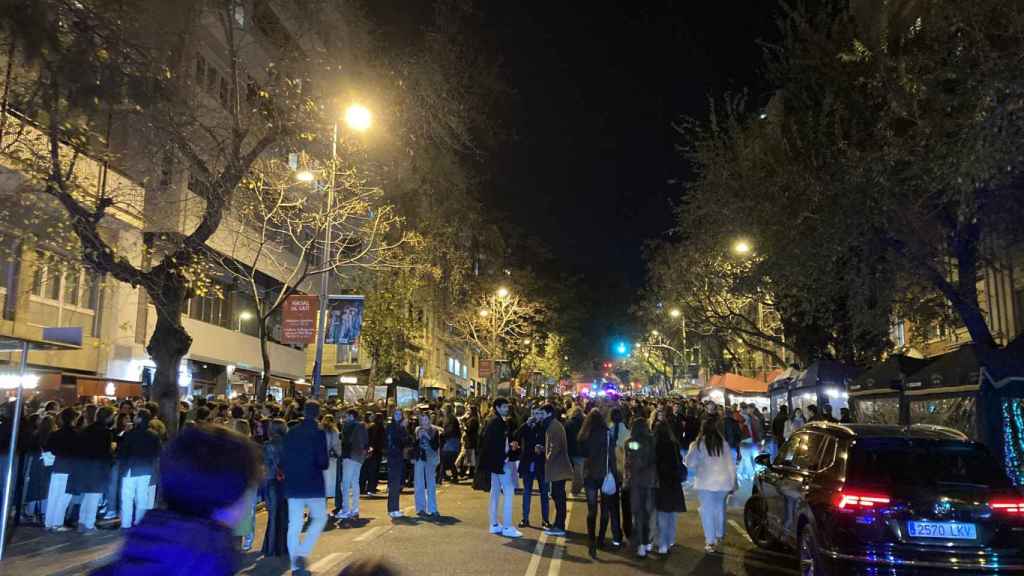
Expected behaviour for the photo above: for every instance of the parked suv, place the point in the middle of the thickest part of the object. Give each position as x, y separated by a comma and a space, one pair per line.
864, 498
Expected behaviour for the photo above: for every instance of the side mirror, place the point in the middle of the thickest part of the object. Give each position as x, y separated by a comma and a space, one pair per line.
763, 460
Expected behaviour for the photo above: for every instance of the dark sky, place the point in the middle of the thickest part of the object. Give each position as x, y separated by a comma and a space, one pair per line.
598, 85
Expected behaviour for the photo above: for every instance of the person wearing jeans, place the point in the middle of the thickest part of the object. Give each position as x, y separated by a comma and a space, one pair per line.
497, 456
428, 442
557, 467
710, 459
353, 453
304, 460
669, 498
531, 465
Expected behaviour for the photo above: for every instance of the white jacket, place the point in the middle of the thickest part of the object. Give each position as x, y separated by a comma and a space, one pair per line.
713, 473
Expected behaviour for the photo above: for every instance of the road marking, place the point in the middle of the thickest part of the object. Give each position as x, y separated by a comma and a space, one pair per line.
740, 529
556, 557
331, 561
538, 553
371, 533
42, 551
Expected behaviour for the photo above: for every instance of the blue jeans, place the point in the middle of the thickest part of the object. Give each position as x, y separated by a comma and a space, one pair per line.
528, 478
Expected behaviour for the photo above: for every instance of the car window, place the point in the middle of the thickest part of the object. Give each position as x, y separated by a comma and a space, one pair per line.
808, 451
828, 453
915, 463
788, 451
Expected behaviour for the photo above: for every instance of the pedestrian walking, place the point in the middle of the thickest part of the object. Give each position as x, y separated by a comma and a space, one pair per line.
557, 466
531, 437
428, 456
598, 477
497, 454
376, 437
39, 469
619, 503
451, 444
467, 460
779, 429
669, 499
137, 453
332, 475
710, 458
398, 442
208, 476
305, 459
572, 431
354, 438
641, 479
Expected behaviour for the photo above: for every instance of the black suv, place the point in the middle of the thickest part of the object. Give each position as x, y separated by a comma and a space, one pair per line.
877, 499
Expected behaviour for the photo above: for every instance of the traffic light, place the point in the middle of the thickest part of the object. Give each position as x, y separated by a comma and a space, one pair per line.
621, 348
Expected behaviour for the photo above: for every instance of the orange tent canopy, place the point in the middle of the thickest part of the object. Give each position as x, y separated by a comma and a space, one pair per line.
738, 384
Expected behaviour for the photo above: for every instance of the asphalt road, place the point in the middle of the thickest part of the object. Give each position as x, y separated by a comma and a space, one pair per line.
457, 544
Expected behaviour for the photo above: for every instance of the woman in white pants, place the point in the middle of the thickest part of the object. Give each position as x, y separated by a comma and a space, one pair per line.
710, 460
428, 456
61, 444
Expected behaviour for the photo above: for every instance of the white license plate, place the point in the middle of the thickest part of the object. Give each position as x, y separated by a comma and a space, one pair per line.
943, 530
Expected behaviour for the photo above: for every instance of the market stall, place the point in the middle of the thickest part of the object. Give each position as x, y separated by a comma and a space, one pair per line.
822, 384
778, 389
734, 389
876, 396
945, 392
1003, 399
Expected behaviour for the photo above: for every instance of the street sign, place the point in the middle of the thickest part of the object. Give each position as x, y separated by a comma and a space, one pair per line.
486, 368
298, 319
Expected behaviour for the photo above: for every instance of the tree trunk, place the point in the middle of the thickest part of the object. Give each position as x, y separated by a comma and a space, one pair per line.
261, 382
168, 345
372, 382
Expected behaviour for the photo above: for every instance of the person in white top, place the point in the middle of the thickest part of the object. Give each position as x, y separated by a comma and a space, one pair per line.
710, 460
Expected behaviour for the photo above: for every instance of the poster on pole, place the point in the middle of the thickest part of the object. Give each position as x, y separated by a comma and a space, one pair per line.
485, 368
298, 319
344, 319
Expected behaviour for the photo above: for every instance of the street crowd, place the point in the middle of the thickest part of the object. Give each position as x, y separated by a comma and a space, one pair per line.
629, 458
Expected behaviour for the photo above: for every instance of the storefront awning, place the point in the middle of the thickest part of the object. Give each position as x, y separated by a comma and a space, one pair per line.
738, 384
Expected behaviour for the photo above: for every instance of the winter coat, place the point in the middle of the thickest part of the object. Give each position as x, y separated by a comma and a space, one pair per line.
557, 465
572, 432
495, 447
304, 460
354, 438
779, 427
94, 458
529, 437
669, 495
138, 450
396, 441
471, 438
713, 473
639, 466
595, 446
63, 443
169, 544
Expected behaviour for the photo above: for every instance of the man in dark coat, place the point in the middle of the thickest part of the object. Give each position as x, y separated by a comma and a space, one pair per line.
94, 459
397, 439
531, 436
137, 453
497, 452
576, 455
305, 459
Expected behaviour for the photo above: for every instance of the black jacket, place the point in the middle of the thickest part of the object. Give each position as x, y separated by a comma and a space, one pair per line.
63, 443
492, 452
472, 433
595, 446
669, 495
528, 437
572, 430
93, 460
138, 450
779, 427
397, 439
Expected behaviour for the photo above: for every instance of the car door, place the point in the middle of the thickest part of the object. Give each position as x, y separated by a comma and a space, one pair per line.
796, 479
771, 479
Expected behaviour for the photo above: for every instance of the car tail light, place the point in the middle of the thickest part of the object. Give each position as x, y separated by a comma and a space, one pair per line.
1007, 506
856, 500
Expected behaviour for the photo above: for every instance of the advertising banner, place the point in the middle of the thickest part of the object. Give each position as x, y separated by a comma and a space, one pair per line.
298, 319
344, 319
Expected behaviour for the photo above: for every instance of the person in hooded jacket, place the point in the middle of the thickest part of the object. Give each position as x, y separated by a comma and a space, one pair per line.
136, 454
641, 479
208, 475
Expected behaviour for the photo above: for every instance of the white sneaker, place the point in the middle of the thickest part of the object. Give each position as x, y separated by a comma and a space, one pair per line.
662, 550
641, 551
397, 514
495, 529
341, 516
511, 533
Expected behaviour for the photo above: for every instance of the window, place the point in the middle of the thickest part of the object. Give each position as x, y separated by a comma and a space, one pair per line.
465, 371
77, 288
808, 451
898, 334
208, 308
901, 462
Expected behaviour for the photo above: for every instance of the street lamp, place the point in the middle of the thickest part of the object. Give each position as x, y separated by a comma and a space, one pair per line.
502, 292
654, 333
359, 119
675, 313
484, 312
305, 176
244, 315
741, 247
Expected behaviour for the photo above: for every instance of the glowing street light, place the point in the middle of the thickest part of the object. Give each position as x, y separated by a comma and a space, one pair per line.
741, 247
243, 316
358, 117
675, 313
502, 292
484, 312
305, 176
654, 333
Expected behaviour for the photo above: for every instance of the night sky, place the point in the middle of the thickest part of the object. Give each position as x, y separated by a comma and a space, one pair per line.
598, 86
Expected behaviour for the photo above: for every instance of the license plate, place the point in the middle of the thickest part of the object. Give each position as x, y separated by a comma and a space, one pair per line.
943, 530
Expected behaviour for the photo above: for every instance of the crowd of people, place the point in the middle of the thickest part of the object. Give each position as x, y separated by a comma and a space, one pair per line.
628, 458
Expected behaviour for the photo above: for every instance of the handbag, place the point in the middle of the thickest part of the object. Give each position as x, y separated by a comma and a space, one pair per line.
608, 487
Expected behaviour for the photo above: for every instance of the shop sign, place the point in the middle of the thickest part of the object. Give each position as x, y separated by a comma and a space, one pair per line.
298, 325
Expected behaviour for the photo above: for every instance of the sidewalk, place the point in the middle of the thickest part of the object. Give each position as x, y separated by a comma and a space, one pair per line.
36, 551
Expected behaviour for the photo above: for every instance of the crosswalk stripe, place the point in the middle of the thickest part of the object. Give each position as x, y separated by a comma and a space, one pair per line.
332, 560
556, 558
740, 529
371, 533
538, 553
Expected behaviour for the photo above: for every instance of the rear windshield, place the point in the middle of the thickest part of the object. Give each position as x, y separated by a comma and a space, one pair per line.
917, 462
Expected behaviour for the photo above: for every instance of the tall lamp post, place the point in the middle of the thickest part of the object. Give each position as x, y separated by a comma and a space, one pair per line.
359, 119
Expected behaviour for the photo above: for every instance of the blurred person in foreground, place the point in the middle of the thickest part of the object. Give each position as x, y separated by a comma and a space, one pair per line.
208, 477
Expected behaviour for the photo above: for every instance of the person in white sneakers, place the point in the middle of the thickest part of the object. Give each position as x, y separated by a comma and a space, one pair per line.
710, 459
497, 456
353, 453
